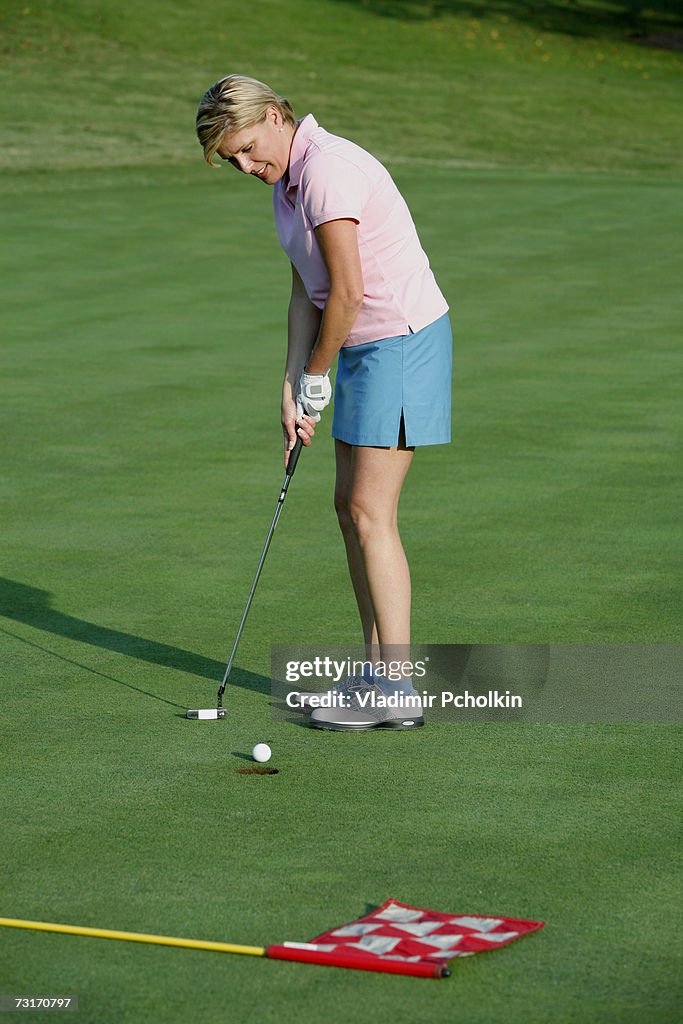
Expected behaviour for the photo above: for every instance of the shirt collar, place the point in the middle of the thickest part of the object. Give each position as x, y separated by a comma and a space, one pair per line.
297, 153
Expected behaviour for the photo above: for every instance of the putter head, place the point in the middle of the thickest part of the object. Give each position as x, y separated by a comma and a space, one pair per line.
207, 713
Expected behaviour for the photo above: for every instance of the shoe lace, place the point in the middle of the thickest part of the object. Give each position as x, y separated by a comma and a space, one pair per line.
352, 685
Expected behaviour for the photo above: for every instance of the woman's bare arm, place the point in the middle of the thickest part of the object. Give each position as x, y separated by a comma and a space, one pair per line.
303, 325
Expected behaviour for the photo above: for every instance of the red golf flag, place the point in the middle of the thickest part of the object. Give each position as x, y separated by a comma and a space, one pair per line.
394, 938
407, 940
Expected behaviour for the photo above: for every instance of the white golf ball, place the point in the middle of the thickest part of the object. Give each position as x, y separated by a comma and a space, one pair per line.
261, 752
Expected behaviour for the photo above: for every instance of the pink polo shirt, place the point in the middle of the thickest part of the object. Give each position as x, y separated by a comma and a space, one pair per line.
330, 178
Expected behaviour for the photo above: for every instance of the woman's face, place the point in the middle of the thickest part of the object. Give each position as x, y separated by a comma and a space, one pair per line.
261, 149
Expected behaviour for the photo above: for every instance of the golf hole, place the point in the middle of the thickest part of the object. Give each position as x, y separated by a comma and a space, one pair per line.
257, 771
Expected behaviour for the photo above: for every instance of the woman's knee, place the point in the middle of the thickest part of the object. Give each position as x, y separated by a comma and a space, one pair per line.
369, 518
342, 507
353, 515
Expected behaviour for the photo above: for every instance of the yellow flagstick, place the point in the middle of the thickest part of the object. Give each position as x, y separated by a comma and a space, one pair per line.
157, 940
302, 952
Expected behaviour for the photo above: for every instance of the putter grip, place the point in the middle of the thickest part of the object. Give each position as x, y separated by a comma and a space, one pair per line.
294, 457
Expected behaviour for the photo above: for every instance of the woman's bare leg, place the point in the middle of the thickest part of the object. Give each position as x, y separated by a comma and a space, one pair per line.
369, 482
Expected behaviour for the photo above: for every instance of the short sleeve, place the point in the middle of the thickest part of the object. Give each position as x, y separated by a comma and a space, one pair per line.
333, 188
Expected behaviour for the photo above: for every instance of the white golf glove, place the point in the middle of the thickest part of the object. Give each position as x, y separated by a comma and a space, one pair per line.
313, 394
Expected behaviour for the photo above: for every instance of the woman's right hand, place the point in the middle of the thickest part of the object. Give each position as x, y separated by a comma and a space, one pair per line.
305, 428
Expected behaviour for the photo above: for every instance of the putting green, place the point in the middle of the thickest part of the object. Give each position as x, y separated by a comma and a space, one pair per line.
142, 296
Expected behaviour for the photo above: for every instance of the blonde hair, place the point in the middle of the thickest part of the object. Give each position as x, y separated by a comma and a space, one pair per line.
233, 103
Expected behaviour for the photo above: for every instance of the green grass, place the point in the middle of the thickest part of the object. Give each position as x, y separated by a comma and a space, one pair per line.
132, 342
87, 84
140, 296
130, 817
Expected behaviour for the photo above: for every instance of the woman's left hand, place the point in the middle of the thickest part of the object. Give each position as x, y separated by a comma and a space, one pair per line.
314, 394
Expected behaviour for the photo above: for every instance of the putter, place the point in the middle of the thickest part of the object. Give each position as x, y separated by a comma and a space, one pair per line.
219, 711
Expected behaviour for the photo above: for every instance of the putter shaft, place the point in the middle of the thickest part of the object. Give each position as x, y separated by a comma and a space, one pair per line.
289, 473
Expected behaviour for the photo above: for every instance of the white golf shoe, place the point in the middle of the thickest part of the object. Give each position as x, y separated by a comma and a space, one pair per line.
363, 706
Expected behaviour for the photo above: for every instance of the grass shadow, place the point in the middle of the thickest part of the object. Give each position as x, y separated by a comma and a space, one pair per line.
32, 606
616, 19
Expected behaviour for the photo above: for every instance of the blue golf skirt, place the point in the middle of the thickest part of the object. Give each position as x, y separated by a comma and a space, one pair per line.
381, 381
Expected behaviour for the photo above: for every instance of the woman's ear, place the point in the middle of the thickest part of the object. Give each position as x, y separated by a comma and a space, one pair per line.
274, 116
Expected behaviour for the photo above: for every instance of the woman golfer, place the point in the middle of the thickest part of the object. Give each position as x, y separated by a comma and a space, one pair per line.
362, 290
